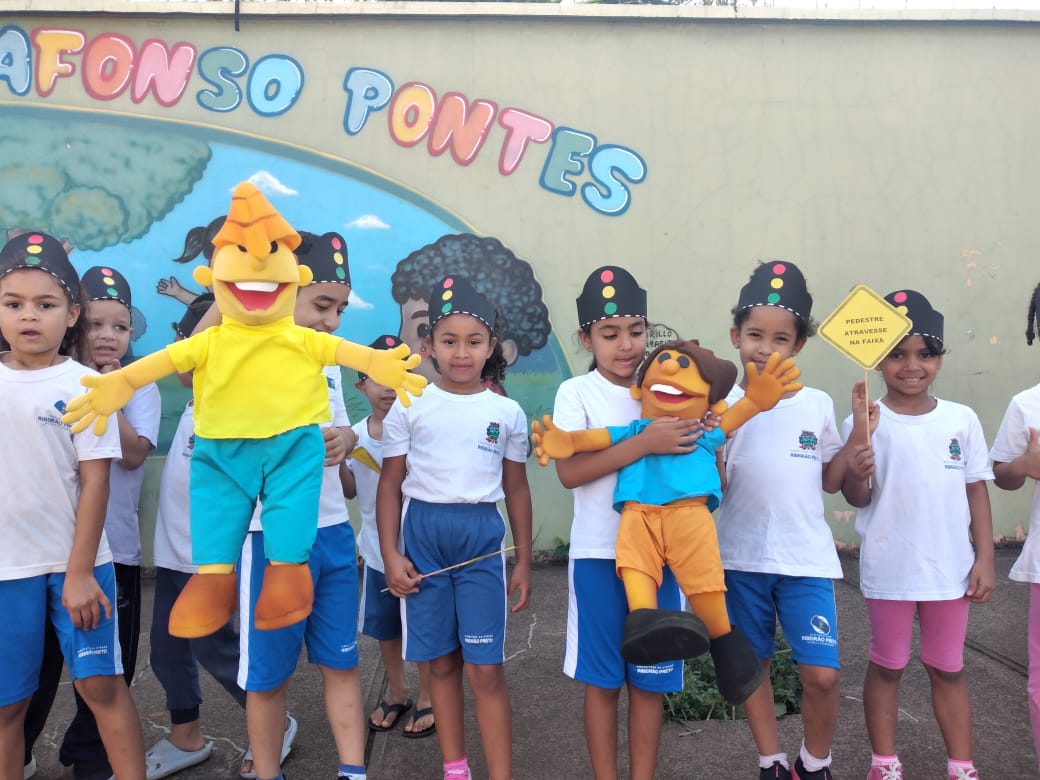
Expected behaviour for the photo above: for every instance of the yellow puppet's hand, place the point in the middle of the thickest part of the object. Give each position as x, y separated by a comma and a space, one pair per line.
550, 442
392, 367
765, 389
110, 393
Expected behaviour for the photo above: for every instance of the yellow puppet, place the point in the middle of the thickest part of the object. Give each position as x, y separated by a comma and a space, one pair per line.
666, 503
260, 396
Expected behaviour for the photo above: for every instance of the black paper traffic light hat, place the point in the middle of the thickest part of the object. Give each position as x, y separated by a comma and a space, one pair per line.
326, 256
777, 283
454, 295
104, 283
610, 291
925, 321
42, 251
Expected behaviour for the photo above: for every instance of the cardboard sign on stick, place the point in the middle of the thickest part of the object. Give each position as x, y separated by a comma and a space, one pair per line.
865, 327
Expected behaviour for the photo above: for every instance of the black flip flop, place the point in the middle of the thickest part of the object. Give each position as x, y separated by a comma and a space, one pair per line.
397, 709
425, 732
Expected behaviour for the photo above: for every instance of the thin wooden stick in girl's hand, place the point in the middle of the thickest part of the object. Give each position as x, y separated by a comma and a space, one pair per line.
460, 565
866, 411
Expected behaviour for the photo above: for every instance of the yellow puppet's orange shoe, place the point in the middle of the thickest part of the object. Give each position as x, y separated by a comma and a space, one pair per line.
205, 605
286, 596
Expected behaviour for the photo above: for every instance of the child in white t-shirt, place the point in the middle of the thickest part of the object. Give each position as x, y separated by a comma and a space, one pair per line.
109, 328
1016, 458
380, 612
777, 549
927, 539
447, 460
612, 325
55, 563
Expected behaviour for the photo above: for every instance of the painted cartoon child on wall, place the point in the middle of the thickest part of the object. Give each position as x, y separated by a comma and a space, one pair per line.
666, 503
197, 241
494, 271
259, 397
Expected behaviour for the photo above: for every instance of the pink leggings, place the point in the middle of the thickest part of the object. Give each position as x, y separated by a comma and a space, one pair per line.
944, 624
1033, 686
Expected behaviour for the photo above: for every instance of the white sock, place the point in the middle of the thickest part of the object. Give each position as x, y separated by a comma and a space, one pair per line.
764, 762
811, 762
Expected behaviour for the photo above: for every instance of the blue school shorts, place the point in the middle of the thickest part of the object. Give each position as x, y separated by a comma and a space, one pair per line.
268, 658
380, 616
804, 606
596, 612
29, 603
465, 607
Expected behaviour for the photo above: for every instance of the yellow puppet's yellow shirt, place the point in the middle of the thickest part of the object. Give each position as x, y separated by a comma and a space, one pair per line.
256, 381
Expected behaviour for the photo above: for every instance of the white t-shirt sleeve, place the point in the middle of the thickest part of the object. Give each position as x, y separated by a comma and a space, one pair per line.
396, 431
518, 444
568, 411
977, 467
144, 413
1012, 436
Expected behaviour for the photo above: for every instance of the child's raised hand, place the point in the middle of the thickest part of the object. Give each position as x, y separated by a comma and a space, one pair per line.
673, 435
520, 581
401, 576
392, 367
982, 581
83, 598
110, 393
776, 380
550, 442
863, 410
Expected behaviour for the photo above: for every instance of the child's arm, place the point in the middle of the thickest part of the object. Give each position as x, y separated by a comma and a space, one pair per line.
518, 508
664, 436
401, 576
134, 446
81, 595
982, 579
347, 480
865, 417
1012, 475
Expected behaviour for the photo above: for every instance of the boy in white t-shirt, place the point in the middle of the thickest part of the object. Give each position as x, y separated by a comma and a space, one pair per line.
380, 615
777, 549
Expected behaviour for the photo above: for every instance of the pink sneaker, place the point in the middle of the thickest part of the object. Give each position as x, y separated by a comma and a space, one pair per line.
893, 771
965, 774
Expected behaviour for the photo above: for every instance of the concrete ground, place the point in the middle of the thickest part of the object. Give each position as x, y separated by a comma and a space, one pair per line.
547, 707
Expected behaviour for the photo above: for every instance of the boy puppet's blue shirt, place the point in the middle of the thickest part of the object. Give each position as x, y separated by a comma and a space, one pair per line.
662, 479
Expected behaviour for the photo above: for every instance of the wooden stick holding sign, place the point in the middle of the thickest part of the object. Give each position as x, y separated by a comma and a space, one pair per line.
865, 327
460, 565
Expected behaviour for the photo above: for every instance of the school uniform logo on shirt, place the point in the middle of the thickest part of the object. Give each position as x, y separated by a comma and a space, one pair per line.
955, 449
493, 431
807, 441
955, 461
45, 419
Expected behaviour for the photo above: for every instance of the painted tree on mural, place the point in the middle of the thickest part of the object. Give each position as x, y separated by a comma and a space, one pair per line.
93, 185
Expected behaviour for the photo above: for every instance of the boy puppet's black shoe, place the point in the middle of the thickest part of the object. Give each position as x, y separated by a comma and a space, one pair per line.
656, 635
738, 672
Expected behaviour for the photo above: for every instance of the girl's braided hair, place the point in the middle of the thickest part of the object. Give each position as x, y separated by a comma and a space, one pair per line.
1033, 317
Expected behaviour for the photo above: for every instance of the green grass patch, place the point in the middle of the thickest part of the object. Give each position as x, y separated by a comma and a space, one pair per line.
700, 698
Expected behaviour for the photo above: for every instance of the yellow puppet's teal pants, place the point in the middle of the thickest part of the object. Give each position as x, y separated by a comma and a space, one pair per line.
228, 477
